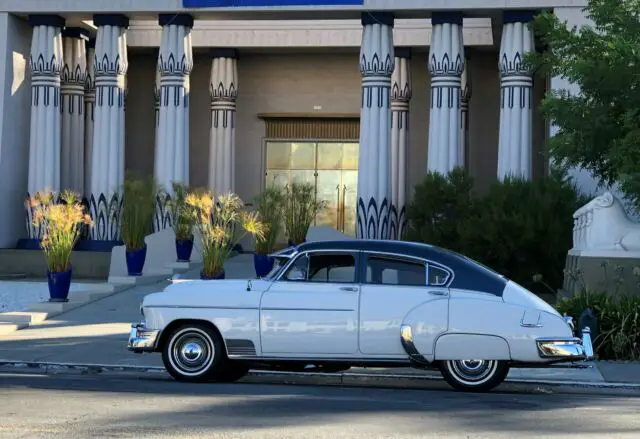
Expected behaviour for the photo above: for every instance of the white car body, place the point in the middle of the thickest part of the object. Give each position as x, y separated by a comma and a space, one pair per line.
467, 313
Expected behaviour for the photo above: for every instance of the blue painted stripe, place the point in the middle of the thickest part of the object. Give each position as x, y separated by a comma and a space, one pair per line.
262, 3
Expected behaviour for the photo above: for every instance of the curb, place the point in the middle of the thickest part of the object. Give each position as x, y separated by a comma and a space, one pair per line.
265, 376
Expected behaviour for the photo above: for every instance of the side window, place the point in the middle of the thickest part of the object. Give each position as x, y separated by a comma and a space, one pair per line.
392, 271
438, 276
323, 267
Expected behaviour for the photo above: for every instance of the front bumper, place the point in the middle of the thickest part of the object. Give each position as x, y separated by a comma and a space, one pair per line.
143, 339
566, 349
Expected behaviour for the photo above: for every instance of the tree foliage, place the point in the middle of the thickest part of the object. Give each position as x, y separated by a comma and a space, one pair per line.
599, 128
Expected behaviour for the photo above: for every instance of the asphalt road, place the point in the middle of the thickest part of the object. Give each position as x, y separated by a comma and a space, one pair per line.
37, 406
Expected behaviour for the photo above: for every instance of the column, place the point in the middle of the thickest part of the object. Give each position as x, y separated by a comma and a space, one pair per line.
465, 97
74, 76
175, 62
223, 88
89, 104
400, 98
446, 63
374, 179
45, 63
516, 84
110, 65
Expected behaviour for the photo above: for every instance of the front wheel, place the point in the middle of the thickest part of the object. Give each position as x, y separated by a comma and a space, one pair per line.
196, 353
474, 375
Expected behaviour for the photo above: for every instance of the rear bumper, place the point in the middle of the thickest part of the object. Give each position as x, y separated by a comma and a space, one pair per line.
566, 349
142, 339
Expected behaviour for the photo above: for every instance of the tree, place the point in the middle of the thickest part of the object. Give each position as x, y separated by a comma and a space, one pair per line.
599, 129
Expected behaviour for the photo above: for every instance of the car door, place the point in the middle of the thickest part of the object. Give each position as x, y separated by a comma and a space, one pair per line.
394, 286
312, 308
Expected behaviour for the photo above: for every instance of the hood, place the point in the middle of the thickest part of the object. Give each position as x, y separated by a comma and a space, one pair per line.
228, 293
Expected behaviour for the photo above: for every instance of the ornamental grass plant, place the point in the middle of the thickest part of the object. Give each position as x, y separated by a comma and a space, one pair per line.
182, 217
138, 209
217, 219
301, 208
61, 226
270, 208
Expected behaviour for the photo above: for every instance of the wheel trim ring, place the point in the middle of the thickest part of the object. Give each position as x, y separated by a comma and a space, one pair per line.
198, 334
488, 372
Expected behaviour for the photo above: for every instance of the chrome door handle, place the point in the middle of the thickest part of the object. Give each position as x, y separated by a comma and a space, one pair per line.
438, 293
349, 288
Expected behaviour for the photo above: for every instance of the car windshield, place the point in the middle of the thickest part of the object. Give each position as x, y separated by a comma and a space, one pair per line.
278, 263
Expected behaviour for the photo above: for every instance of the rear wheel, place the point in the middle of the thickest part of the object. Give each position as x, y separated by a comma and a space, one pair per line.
474, 375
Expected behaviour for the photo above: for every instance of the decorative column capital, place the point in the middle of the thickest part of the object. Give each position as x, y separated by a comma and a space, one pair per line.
46, 20
401, 80
117, 20
74, 69
377, 58
517, 39
185, 20
446, 53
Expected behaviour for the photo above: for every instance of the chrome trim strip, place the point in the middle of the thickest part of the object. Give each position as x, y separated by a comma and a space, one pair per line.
252, 308
406, 338
319, 359
142, 339
537, 324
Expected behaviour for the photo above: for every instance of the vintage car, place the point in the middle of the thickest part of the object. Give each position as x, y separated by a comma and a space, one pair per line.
332, 305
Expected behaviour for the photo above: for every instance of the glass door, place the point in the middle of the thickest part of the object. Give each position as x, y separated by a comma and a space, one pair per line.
331, 166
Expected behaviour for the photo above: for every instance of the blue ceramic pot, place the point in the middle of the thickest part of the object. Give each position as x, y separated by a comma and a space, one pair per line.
135, 261
184, 248
262, 264
214, 277
59, 285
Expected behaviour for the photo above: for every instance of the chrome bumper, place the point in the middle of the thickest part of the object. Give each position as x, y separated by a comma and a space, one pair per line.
567, 349
142, 339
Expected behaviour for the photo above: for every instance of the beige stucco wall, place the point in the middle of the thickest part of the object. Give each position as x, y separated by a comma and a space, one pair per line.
15, 109
296, 83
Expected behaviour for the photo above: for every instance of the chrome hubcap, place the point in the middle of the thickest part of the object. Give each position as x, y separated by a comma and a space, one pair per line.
473, 371
192, 352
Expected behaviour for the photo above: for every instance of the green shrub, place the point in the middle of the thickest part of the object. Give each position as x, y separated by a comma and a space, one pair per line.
618, 322
439, 205
522, 229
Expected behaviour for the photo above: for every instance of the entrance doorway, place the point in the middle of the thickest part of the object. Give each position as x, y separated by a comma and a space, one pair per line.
331, 166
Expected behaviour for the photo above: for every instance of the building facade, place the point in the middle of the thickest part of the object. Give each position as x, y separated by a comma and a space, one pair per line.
359, 99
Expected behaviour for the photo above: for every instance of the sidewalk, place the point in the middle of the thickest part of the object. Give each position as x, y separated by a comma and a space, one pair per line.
97, 333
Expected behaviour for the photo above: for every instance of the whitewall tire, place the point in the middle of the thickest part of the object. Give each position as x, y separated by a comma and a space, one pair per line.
196, 353
474, 375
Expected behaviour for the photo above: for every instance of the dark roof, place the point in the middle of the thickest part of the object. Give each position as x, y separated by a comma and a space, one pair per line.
416, 249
